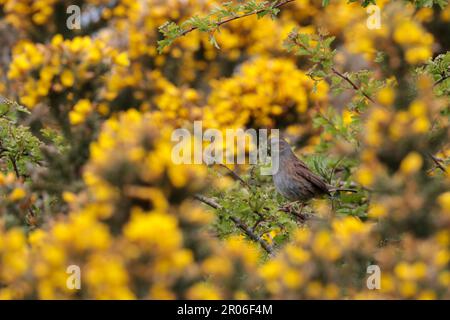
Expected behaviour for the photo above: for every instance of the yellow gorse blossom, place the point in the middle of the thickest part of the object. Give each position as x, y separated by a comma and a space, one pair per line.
264, 89
412, 163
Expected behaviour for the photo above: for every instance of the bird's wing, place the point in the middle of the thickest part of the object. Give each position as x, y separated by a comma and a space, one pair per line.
317, 182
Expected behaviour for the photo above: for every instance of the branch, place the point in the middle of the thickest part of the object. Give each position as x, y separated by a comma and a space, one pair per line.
437, 161
14, 164
261, 219
210, 202
235, 175
252, 235
441, 80
354, 86
219, 23
238, 222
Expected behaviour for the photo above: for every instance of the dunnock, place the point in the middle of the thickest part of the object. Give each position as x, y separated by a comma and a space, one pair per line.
295, 181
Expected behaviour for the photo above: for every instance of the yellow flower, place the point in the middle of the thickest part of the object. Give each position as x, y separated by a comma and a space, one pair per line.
57, 40
347, 228
178, 176
69, 197
53, 255
377, 210
122, 59
271, 270
414, 271
203, 291
420, 270
347, 117
386, 96
421, 125
314, 289
76, 118
37, 237
408, 32
442, 258
40, 18
83, 106
365, 176
444, 201
94, 55
147, 228
418, 55
324, 246
218, 266
67, 78
292, 279
408, 289
444, 279
387, 283
296, 254
80, 111
427, 295
17, 194
238, 247
160, 292
418, 108
241, 295
411, 163
22, 63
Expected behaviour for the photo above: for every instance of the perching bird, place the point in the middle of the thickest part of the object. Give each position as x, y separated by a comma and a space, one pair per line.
295, 181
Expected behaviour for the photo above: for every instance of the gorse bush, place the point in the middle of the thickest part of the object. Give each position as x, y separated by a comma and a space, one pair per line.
87, 177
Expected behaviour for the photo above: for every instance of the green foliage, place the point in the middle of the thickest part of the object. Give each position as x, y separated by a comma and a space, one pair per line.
18, 147
317, 48
257, 205
429, 3
439, 70
211, 23
230, 11
364, 3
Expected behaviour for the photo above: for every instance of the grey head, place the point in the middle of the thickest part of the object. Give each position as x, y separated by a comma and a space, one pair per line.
283, 145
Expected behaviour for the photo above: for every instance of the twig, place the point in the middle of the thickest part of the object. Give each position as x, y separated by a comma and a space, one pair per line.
238, 222
332, 125
334, 168
16, 169
252, 235
261, 219
349, 81
235, 175
441, 80
437, 161
219, 23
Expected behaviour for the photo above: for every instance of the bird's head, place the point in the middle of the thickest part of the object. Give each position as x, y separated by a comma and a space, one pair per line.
283, 145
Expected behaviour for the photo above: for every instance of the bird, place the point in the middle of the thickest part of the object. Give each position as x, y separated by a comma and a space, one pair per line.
294, 180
